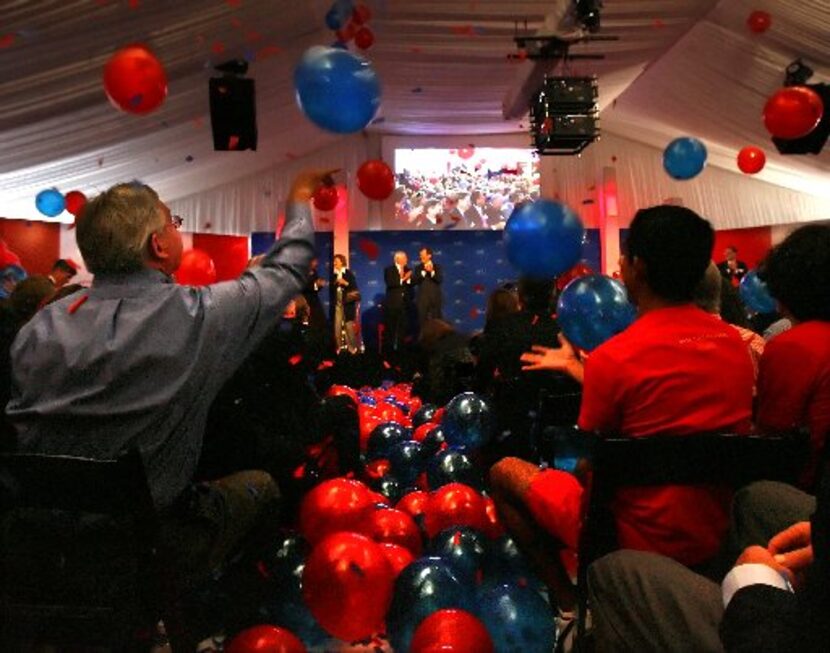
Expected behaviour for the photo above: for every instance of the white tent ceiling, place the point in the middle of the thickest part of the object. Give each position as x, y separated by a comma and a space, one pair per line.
679, 67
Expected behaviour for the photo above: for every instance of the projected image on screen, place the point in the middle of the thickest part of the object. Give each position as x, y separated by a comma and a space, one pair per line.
463, 188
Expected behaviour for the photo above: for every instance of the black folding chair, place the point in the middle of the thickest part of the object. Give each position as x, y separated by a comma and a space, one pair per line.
79, 558
712, 458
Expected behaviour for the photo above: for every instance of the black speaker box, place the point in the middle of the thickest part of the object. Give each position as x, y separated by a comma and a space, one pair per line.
233, 113
813, 142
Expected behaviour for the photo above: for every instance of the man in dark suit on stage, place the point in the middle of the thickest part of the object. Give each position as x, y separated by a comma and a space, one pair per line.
428, 277
398, 278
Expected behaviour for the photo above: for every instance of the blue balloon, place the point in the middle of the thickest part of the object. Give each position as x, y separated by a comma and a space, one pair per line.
518, 619
433, 442
684, 158
383, 437
468, 422
406, 461
451, 466
592, 309
425, 586
423, 415
463, 548
50, 202
543, 238
755, 294
390, 487
504, 563
339, 91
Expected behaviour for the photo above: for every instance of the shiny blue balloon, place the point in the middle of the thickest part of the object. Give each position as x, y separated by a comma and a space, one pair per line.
433, 442
468, 422
755, 294
425, 586
50, 202
383, 437
464, 548
423, 415
543, 238
592, 309
390, 487
684, 158
451, 466
518, 619
406, 461
504, 563
339, 91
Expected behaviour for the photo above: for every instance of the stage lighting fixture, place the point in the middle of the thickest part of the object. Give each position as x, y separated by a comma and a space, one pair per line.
233, 108
564, 118
587, 11
797, 73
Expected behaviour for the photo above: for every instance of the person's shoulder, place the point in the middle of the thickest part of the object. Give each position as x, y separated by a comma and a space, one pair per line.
807, 337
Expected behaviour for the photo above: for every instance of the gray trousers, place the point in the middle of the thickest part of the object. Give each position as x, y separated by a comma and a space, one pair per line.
345, 333
643, 602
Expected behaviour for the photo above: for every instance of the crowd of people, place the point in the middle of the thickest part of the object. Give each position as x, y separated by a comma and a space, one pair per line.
222, 389
463, 198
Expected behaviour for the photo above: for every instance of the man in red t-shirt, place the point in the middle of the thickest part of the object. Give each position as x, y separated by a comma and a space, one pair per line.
794, 375
676, 370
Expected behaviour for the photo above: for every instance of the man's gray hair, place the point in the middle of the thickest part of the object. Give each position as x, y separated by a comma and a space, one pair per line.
114, 228
708, 292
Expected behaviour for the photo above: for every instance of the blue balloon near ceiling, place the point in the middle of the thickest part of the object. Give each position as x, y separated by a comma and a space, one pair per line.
755, 294
684, 158
50, 202
592, 309
543, 238
337, 90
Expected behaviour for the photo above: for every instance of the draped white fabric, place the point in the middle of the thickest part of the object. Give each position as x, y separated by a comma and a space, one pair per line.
680, 67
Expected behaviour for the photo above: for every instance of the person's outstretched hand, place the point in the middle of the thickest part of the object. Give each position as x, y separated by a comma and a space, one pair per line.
307, 182
563, 359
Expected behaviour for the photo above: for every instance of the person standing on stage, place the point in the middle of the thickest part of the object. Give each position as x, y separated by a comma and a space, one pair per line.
731, 268
314, 283
428, 277
398, 278
344, 303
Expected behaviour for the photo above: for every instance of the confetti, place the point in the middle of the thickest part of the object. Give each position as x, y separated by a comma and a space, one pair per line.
233, 3
6, 41
134, 4
189, 158
417, 89
252, 36
235, 22
218, 47
370, 248
268, 51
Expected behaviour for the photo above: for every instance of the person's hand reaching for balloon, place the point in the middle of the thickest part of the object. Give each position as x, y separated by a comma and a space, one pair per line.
563, 359
307, 182
758, 555
792, 549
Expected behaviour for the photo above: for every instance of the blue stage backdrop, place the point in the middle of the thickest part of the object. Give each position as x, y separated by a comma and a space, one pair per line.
474, 264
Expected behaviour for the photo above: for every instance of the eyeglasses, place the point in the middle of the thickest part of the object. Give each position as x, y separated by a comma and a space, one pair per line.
177, 221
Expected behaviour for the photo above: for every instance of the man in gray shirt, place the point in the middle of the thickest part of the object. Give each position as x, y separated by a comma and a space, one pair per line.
136, 360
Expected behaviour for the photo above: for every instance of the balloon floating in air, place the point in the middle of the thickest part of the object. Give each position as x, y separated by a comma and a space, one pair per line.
50, 202
684, 158
592, 309
134, 80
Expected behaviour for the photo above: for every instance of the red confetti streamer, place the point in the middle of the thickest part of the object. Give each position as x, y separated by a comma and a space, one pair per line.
474, 313
370, 248
296, 359
268, 51
218, 47
479, 288
6, 41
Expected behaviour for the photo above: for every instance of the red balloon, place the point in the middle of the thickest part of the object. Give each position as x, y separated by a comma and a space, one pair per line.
375, 180
338, 504
361, 14
265, 639
364, 38
134, 80
325, 198
347, 586
75, 202
343, 391
397, 556
414, 504
451, 630
389, 413
581, 269
751, 160
196, 269
759, 21
455, 504
393, 527
492, 525
438, 416
421, 432
793, 112
466, 152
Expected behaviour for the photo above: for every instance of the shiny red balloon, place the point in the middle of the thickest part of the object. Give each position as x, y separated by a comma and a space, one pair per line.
759, 21
455, 631
196, 269
751, 160
466, 152
388, 413
375, 180
421, 432
455, 504
793, 112
364, 38
265, 639
393, 527
347, 586
398, 557
134, 80
338, 504
325, 198
343, 391
75, 202
414, 504
492, 525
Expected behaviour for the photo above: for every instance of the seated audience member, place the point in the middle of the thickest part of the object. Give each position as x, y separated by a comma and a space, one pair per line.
646, 602
794, 377
62, 272
137, 360
449, 363
708, 297
500, 304
675, 370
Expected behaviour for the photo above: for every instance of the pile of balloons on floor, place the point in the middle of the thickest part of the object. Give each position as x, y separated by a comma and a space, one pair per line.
409, 557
